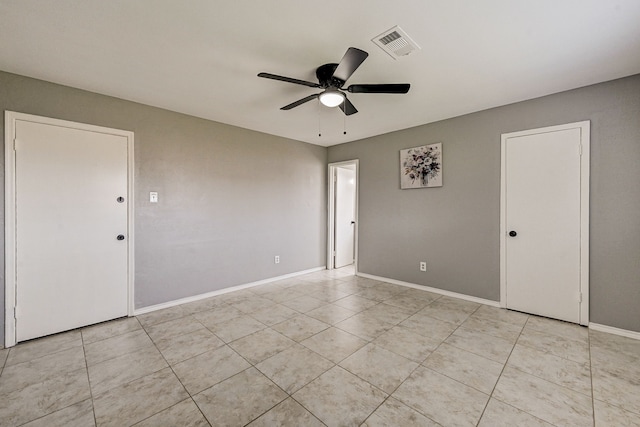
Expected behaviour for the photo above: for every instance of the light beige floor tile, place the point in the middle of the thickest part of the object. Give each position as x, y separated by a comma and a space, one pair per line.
304, 303
615, 360
137, 400
236, 328
429, 327
252, 304
281, 295
394, 413
378, 293
261, 345
468, 368
37, 400
123, 369
118, 345
30, 350
506, 331
389, 313
182, 347
379, 367
558, 328
402, 341
578, 351
628, 346
202, 305
274, 314
451, 303
183, 414
172, 328
364, 326
338, 397
300, 327
239, 399
209, 368
16, 377
498, 414
486, 312
334, 344
356, 303
542, 399
79, 414
294, 368
220, 314
160, 316
109, 329
608, 415
235, 297
408, 302
488, 346
442, 399
564, 372
420, 294
3, 357
330, 295
287, 413
622, 391
446, 309
331, 314
615, 354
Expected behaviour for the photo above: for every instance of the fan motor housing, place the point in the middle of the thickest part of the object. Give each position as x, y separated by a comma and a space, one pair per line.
324, 73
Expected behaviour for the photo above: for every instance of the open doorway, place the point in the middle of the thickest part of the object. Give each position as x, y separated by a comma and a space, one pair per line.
342, 230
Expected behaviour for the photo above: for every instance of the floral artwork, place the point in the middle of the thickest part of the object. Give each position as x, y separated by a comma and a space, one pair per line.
421, 166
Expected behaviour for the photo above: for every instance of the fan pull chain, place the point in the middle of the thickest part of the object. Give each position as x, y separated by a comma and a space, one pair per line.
319, 126
344, 124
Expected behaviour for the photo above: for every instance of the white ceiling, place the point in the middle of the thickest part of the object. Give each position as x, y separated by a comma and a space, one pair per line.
201, 57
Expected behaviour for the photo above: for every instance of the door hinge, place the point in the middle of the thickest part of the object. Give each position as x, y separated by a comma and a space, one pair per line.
579, 296
580, 149
15, 144
15, 312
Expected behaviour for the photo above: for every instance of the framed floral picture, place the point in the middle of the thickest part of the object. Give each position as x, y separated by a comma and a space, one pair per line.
421, 167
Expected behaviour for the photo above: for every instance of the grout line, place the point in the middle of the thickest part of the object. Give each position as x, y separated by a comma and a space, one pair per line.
593, 403
86, 366
502, 371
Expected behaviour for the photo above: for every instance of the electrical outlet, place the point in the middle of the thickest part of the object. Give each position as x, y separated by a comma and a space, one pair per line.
276, 259
423, 266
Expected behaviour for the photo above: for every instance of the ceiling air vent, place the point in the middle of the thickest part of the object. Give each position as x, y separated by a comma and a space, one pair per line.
395, 42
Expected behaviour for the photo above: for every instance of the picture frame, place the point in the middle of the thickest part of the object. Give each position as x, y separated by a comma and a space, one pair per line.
421, 167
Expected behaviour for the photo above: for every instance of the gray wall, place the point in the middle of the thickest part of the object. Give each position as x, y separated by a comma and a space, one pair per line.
229, 198
455, 228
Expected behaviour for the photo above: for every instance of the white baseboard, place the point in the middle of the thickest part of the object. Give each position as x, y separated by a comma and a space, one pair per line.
615, 331
433, 290
194, 298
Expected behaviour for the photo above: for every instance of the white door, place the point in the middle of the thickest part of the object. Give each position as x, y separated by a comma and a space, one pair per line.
542, 221
71, 228
345, 216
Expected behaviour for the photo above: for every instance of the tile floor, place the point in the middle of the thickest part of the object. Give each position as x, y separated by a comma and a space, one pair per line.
328, 349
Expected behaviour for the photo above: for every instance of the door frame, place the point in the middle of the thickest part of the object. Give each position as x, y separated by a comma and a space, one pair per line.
11, 118
585, 144
331, 210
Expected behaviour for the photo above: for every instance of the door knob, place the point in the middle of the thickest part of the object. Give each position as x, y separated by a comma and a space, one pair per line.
120, 237
513, 233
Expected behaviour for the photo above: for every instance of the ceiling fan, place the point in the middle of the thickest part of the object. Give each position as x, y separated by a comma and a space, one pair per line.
332, 77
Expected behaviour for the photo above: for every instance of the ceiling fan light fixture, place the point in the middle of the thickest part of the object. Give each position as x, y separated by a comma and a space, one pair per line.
331, 98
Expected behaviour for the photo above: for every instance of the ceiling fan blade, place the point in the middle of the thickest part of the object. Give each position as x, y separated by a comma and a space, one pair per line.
288, 79
349, 63
347, 107
300, 102
380, 88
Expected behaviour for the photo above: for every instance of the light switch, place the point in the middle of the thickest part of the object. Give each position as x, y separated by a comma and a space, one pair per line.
153, 197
